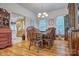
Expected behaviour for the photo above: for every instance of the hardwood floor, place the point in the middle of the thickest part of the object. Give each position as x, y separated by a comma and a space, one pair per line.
60, 48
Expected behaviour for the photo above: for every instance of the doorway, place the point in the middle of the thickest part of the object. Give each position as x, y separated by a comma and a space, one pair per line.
17, 25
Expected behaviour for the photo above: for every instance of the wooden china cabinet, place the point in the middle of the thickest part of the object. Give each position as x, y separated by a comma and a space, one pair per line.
5, 32
73, 36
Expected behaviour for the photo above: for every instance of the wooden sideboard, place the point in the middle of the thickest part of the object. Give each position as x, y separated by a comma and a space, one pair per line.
5, 37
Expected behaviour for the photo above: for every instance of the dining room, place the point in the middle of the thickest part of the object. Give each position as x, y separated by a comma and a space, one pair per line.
39, 29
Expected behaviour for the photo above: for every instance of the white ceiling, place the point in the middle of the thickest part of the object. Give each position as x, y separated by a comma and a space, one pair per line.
43, 7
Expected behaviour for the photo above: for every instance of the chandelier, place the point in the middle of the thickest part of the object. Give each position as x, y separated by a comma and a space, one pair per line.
42, 15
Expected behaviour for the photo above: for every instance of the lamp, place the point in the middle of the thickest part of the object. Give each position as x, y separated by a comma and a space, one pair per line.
42, 15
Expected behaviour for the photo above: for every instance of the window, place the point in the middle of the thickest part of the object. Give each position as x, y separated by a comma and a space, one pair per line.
78, 13
13, 26
32, 22
42, 24
60, 25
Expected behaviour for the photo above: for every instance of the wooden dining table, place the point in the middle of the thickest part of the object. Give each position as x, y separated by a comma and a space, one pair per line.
42, 36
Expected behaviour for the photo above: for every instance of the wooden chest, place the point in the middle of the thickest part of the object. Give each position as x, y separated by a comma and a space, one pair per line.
5, 37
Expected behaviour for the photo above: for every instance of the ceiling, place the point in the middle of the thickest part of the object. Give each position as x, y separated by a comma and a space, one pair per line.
43, 7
